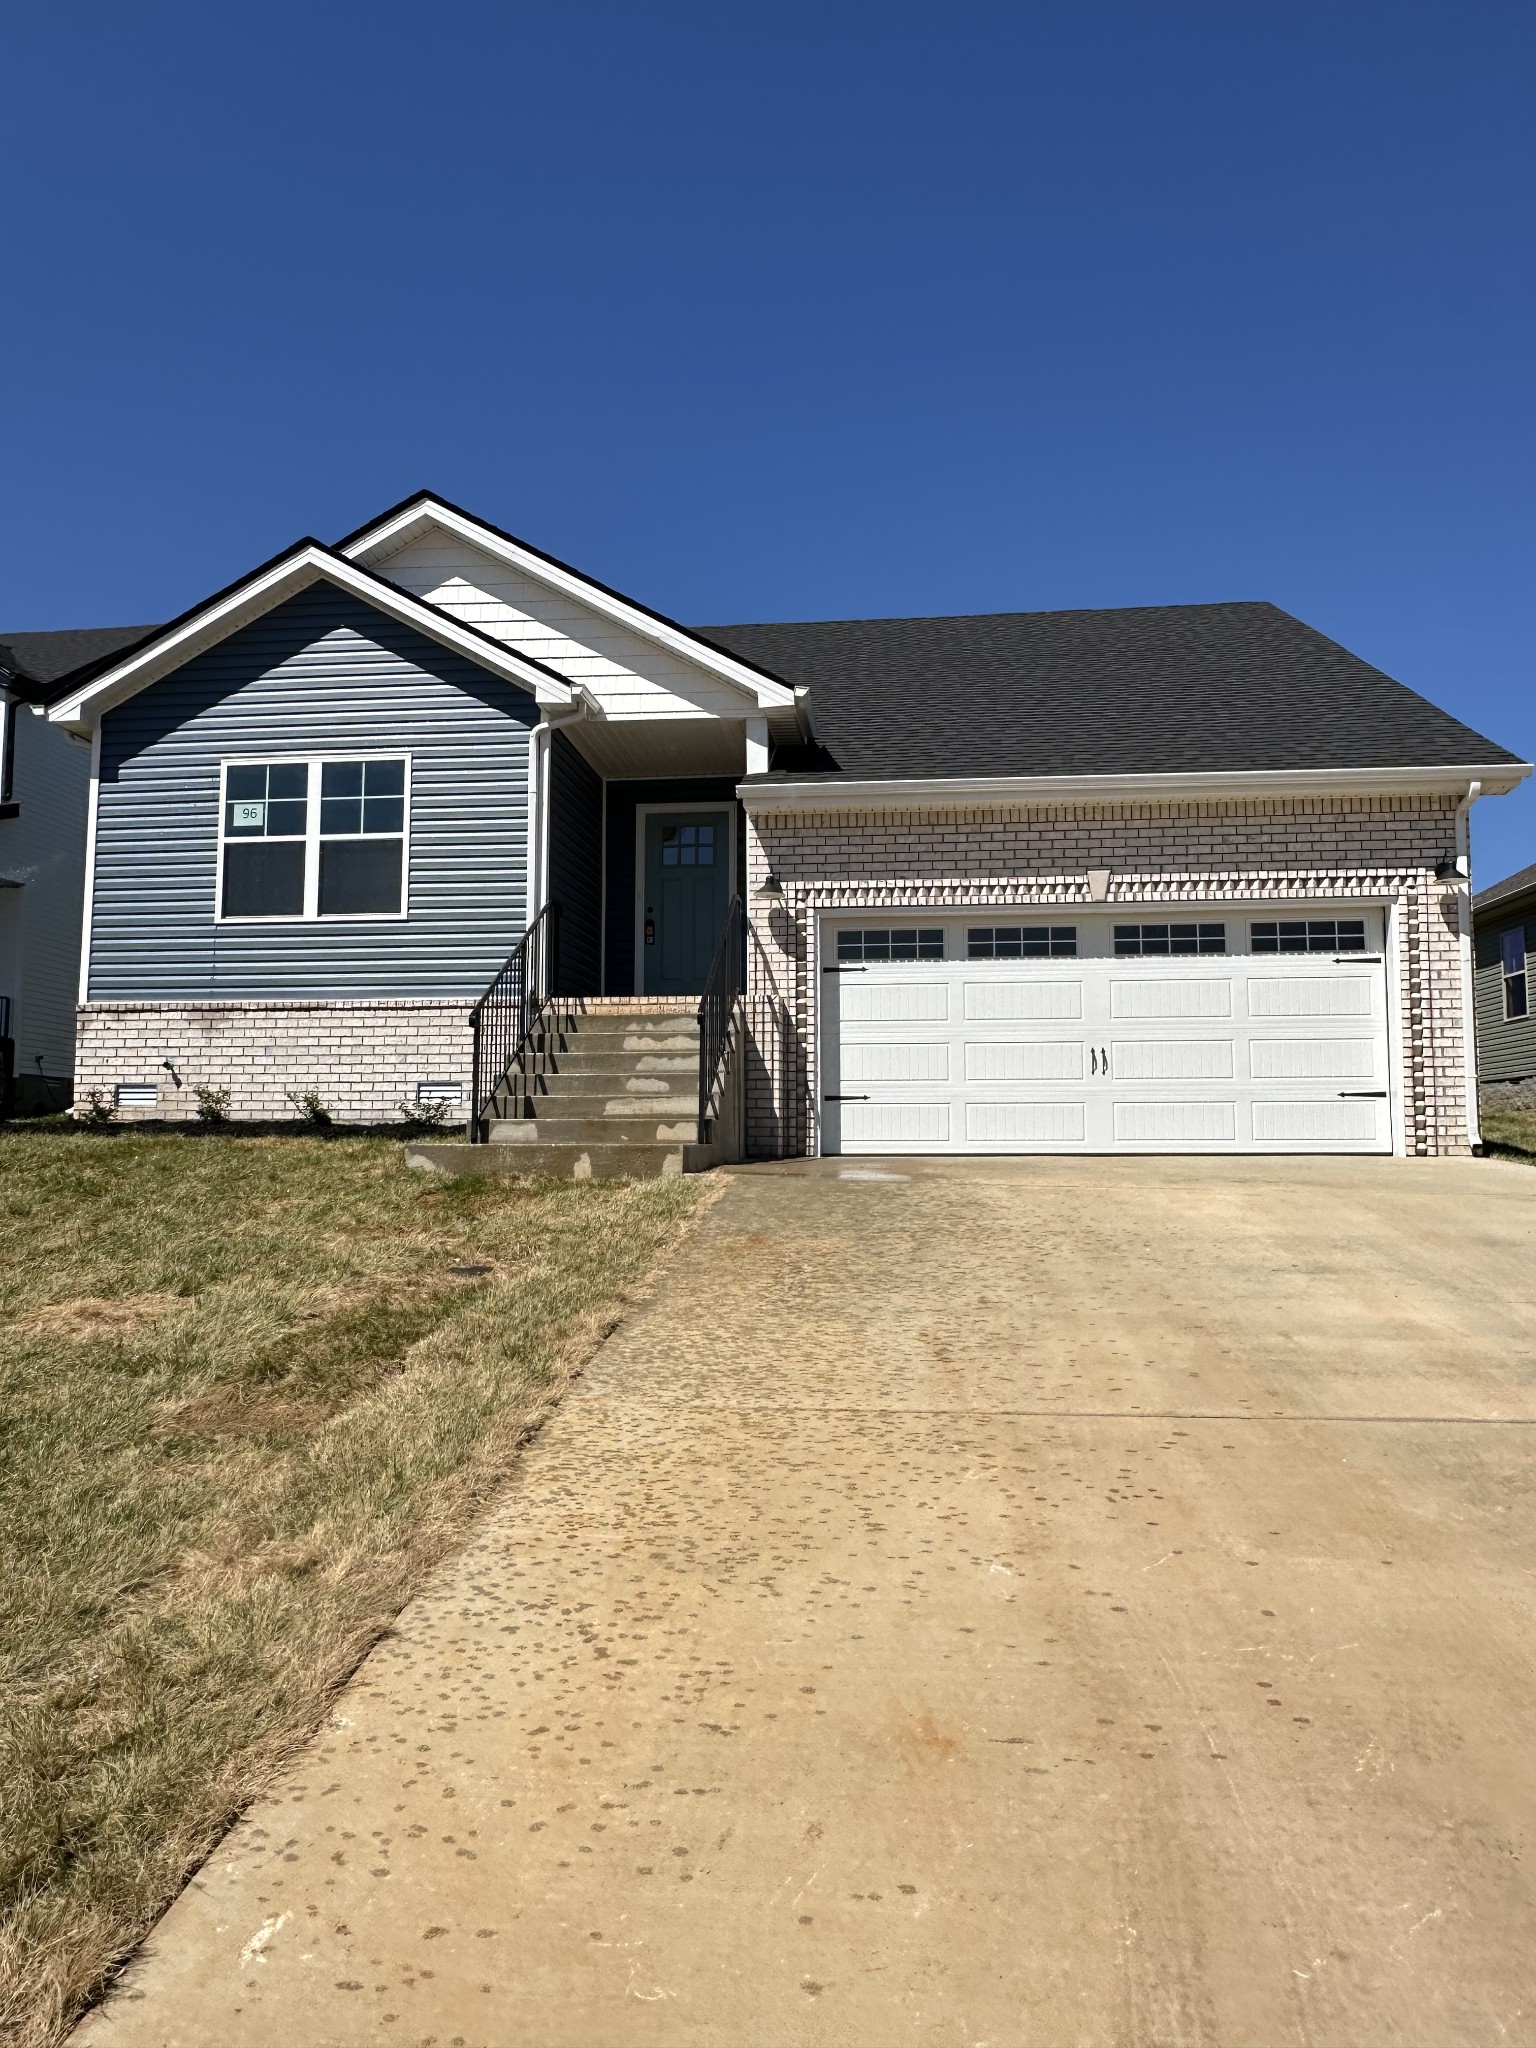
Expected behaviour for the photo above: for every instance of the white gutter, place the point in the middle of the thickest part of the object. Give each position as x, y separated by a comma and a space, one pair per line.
1034, 790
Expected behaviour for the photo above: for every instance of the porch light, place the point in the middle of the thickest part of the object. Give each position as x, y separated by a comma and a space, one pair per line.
770, 889
1452, 869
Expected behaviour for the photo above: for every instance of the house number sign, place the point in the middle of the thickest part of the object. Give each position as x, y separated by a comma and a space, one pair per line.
250, 817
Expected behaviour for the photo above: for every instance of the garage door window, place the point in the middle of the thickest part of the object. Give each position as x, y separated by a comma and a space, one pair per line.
1022, 942
1137, 941
903, 942
1311, 935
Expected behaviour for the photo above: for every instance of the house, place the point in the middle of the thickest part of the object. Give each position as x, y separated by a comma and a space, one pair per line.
45, 788
1172, 878
1504, 936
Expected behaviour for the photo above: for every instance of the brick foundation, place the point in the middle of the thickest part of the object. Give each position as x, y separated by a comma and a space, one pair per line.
361, 1058
1322, 850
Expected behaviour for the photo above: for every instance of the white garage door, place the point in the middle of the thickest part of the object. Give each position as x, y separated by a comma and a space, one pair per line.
1223, 1035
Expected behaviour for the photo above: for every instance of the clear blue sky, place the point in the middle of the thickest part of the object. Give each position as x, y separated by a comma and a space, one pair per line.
796, 311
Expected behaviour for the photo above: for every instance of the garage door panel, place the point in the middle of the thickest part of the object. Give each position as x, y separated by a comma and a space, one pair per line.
897, 1123
1104, 1053
1040, 1059
1023, 1001
1311, 1059
1313, 996
1175, 1123
1025, 1123
1317, 1122
1180, 996
893, 1002
873, 1059
1171, 1059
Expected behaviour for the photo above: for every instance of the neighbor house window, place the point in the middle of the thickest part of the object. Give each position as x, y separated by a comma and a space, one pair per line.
899, 942
314, 839
1136, 941
1512, 947
1310, 935
1021, 942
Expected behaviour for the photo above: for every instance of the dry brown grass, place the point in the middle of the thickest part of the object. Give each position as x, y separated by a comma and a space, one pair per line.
245, 1405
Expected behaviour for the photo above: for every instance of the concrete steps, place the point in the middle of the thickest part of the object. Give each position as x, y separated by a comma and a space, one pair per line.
610, 1092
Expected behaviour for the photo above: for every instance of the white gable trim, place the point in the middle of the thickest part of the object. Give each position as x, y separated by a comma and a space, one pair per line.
375, 543
261, 593
967, 792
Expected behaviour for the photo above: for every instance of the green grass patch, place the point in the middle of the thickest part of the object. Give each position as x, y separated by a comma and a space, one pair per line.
1511, 1133
246, 1404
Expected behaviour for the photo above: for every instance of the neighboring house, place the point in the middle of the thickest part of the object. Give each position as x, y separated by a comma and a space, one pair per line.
45, 783
1177, 878
1504, 923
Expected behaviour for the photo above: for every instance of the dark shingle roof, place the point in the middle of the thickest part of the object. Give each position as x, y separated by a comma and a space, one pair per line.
1155, 689
1510, 890
41, 661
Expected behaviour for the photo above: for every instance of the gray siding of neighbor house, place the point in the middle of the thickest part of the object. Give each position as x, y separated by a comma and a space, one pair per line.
1506, 1047
42, 854
576, 866
321, 674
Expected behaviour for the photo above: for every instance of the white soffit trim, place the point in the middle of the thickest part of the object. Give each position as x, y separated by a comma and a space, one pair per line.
378, 542
285, 578
948, 791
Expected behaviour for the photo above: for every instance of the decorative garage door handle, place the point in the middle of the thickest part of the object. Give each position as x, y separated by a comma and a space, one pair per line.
842, 967
1098, 1061
1362, 1095
845, 1098
1093, 1061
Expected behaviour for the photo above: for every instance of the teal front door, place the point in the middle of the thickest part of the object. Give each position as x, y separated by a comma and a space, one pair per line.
687, 887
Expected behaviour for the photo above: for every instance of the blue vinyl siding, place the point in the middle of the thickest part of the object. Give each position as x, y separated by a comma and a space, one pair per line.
322, 673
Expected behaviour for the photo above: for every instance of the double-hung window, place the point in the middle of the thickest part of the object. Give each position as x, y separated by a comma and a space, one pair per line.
1516, 989
314, 839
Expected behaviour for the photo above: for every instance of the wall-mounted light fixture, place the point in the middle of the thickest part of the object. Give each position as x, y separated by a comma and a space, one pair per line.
770, 889
1452, 869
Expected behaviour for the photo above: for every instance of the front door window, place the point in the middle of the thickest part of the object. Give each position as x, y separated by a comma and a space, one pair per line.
687, 887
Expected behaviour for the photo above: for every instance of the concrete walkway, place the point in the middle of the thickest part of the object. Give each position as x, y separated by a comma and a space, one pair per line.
1051, 1602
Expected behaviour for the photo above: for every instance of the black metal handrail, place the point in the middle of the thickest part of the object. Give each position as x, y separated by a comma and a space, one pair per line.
503, 1020
717, 1005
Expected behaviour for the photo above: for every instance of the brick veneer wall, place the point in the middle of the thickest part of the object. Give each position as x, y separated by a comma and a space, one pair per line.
1279, 850
360, 1058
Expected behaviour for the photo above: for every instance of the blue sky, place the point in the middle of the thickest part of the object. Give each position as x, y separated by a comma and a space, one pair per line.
796, 311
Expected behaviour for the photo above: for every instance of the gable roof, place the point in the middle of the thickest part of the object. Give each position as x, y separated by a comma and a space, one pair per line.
89, 691
1156, 689
1500, 895
35, 663
423, 510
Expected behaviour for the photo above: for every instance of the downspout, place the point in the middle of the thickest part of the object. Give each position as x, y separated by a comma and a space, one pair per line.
1468, 980
544, 740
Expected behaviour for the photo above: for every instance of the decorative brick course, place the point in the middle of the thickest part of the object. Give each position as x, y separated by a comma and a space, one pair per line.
360, 1058
1280, 850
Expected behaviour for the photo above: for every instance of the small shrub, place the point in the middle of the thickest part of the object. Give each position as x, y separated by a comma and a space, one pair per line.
212, 1105
99, 1108
311, 1108
421, 1117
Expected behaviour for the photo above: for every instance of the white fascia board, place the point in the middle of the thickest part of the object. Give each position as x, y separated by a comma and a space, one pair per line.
249, 601
412, 520
1034, 790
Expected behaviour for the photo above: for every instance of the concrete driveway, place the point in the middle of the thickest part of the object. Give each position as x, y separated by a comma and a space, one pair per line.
995, 1602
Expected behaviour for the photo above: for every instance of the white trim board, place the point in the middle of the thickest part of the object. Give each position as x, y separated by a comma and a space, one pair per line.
258, 594
958, 791
375, 543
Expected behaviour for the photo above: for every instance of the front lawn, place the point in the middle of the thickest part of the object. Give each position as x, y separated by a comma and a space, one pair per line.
251, 1390
1511, 1133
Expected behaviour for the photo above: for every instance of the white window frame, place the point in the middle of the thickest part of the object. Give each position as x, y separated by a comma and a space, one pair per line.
313, 763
